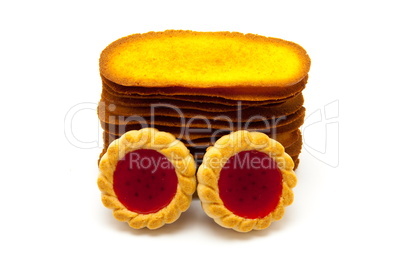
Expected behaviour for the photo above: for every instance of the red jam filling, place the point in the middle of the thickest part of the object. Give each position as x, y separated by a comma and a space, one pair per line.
250, 184
145, 181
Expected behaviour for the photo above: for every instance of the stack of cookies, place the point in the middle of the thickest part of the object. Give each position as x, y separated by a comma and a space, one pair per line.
200, 86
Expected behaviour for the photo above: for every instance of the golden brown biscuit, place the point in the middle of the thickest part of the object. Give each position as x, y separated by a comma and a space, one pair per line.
292, 121
249, 94
286, 139
126, 103
224, 64
163, 108
204, 135
187, 98
146, 102
295, 148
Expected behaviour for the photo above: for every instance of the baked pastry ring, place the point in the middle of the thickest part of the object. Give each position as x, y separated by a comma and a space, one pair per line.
147, 177
245, 181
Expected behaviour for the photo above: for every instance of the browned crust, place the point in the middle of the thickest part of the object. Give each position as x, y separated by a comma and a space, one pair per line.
244, 93
147, 102
287, 139
218, 122
166, 109
128, 96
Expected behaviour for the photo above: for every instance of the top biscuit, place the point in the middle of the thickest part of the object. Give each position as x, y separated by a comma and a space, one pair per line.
203, 60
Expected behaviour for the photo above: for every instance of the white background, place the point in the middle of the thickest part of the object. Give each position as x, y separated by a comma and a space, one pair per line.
346, 213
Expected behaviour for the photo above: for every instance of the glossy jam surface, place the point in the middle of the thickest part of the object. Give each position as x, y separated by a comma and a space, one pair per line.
250, 184
145, 181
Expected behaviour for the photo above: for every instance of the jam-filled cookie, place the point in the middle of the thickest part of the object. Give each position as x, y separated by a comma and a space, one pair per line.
245, 181
147, 177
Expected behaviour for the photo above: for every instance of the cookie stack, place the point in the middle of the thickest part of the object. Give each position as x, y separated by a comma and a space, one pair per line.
200, 86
